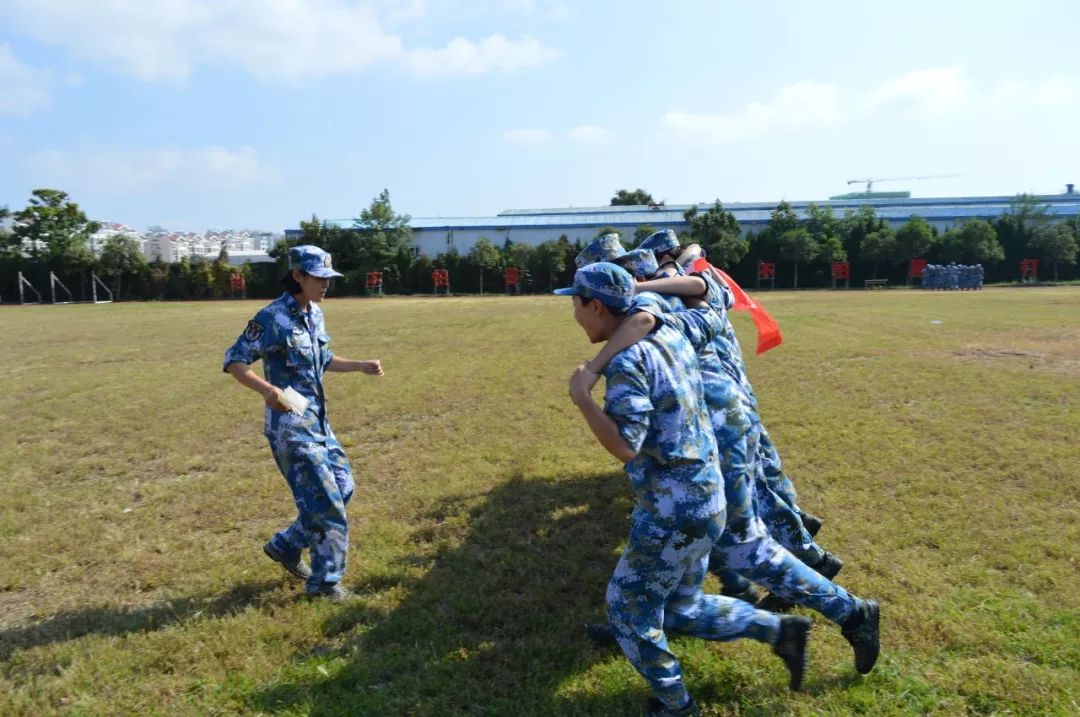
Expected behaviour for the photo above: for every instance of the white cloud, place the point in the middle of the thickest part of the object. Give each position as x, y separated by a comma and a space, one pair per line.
1056, 92
399, 12
464, 57
279, 39
804, 105
23, 88
527, 136
125, 170
933, 91
591, 134
551, 8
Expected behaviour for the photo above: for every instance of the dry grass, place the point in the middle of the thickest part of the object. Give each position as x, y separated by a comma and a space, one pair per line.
136, 492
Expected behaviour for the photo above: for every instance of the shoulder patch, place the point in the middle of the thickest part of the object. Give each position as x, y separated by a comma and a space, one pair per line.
254, 331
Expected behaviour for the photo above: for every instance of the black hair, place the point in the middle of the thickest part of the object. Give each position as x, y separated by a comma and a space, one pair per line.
292, 285
586, 300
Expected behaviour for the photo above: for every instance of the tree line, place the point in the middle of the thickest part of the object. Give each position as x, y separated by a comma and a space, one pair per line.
875, 250
51, 234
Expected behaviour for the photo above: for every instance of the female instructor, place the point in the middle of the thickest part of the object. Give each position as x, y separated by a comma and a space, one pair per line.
291, 339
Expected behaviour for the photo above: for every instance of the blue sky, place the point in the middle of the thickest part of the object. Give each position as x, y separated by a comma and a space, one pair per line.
198, 114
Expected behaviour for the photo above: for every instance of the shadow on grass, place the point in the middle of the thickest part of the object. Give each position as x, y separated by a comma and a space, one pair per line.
119, 621
494, 627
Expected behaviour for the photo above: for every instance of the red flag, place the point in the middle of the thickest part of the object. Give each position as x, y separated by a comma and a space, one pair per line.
767, 329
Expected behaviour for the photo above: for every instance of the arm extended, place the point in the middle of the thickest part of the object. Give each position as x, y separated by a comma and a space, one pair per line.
344, 365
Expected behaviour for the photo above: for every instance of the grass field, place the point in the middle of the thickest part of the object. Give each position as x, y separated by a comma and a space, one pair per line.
936, 433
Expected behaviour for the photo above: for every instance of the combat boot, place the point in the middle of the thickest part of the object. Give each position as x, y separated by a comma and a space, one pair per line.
600, 634
791, 647
297, 567
863, 633
829, 566
751, 594
774, 603
811, 522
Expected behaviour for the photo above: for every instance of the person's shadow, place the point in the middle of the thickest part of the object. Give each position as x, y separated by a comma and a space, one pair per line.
495, 627
117, 621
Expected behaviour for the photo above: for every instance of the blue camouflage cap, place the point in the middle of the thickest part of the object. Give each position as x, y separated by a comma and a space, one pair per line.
604, 248
660, 242
313, 260
641, 263
608, 283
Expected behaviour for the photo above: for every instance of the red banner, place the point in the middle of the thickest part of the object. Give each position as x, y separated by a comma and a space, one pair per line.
768, 330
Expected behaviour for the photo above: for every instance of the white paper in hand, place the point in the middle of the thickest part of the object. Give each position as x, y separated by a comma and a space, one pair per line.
297, 403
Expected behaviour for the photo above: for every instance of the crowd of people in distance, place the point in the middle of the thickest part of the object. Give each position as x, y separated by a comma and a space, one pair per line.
953, 277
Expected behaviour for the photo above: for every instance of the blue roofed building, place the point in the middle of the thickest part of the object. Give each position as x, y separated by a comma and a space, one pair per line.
435, 235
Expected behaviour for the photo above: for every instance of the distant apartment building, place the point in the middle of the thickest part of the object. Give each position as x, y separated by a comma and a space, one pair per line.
109, 230
242, 246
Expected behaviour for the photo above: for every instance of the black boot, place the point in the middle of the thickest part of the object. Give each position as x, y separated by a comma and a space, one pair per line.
600, 634
863, 633
791, 646
751, 594
656, 708
829, 566
811, 522
774, 603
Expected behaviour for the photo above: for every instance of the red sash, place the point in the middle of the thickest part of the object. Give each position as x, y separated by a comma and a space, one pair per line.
767, 329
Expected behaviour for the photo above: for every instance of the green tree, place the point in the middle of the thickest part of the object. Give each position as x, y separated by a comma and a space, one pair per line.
831, 249
914, 238
159, 278
523, 256
485, 257
824, 227
222, 272
1026, 215
718, 231
625, 198
855, 226
798, 246
549, 260
374, 240
200, 277
879, 246
974, 241
642, 232
52, 225
607, 230
782, 220
122, 259
1056, 243
9, 244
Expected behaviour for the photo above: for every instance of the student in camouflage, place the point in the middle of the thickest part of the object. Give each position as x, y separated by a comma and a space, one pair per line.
653, 421
746, 549
603, 248
290, 337
774, 492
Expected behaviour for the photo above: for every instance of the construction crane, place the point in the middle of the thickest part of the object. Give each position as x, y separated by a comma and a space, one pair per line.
870, 182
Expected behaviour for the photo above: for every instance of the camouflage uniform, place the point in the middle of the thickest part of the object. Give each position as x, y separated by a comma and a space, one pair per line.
653, 393
746, 549
294, 347
774, 492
